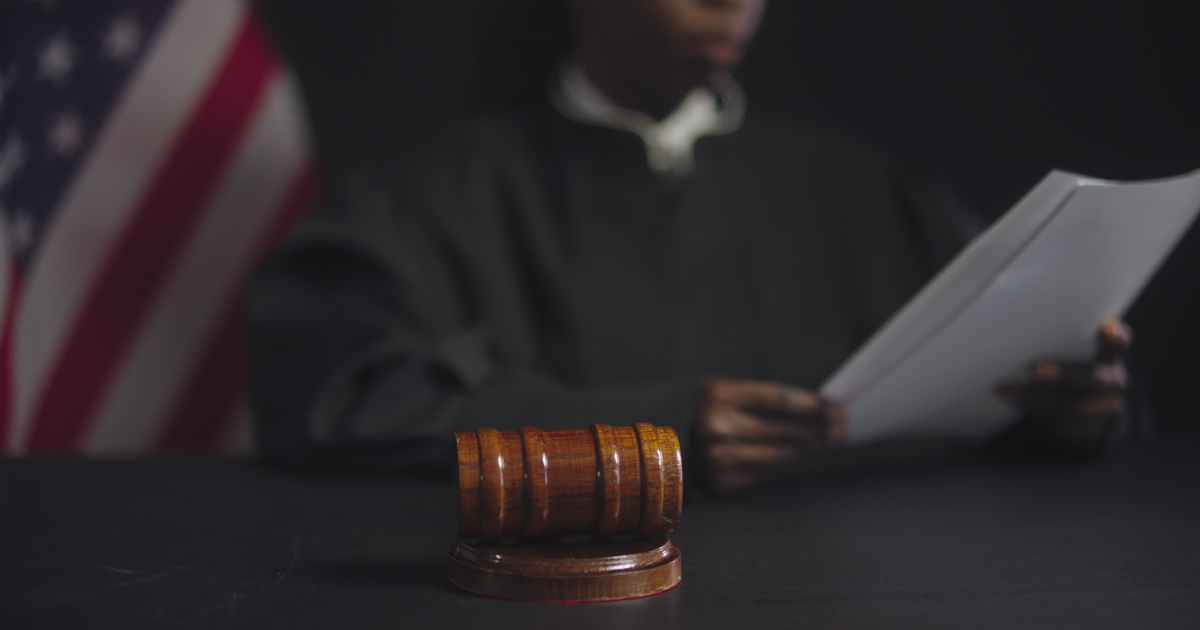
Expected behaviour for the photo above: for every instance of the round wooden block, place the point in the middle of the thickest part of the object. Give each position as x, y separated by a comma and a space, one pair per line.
548, 572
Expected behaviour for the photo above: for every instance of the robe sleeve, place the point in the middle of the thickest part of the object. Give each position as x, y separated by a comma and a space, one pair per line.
368, 349
943, 223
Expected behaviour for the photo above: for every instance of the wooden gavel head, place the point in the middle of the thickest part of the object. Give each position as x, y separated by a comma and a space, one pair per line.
605, 481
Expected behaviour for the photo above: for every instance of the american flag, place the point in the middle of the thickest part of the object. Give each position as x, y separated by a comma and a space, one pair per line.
149, 151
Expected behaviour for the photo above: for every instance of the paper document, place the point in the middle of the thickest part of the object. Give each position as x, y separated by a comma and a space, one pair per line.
1038, 283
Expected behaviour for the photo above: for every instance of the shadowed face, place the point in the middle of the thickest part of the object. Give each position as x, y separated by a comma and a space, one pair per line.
663, 48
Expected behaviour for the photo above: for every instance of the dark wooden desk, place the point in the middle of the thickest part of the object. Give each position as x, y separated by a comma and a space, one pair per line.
220, 543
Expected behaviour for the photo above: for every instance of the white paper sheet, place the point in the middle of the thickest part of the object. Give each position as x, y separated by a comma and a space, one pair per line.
1038, 283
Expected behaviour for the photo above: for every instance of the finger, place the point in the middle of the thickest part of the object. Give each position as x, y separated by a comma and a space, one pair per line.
1077, 377
1053, 398
1076, 417
1113, 340
1097, 407
838, 422
725, 456
732, 424
763, 396
799, 402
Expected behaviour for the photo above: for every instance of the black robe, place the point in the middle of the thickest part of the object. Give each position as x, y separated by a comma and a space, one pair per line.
527, 270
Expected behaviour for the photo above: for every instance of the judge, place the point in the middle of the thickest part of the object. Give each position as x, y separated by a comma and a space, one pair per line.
632, 245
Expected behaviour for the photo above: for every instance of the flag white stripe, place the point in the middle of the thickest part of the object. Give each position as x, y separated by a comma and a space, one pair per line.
209, 271
95, 209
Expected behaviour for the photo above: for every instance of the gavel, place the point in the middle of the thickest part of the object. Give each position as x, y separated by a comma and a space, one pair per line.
605, 481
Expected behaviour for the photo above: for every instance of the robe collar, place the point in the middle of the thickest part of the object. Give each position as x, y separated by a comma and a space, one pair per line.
669, 142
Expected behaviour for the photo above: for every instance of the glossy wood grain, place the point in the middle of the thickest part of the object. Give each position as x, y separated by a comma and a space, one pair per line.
558, 572
605, 481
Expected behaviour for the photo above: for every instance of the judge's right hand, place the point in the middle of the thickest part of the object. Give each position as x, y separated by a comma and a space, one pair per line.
746, 432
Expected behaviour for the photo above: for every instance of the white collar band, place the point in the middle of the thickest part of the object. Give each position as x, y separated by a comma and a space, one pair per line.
668, 143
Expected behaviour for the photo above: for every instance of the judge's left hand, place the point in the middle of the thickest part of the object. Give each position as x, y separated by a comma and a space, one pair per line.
748, 432
1077, 403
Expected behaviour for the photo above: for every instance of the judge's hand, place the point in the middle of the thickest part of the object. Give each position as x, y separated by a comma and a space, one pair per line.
1077, 403
748, 431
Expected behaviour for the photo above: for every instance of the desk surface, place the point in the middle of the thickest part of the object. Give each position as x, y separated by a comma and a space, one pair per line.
226, 543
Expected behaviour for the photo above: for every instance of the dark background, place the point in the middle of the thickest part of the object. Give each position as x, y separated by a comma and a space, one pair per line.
993, 94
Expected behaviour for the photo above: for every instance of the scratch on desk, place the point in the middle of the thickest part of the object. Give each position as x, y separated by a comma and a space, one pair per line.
155, 577
282, 574
117, 570
295, 556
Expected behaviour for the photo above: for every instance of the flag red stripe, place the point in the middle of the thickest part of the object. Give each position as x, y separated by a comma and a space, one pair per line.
202, 413
7, 404
150, 244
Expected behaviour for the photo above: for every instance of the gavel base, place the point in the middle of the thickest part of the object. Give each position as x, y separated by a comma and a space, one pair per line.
566, 572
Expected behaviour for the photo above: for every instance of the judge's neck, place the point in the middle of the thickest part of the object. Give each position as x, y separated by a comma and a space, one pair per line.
657, 101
